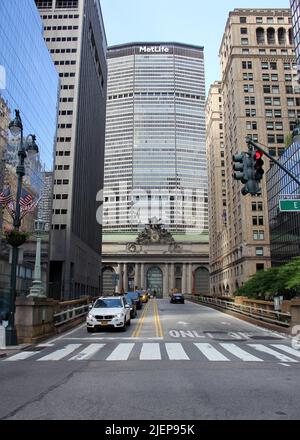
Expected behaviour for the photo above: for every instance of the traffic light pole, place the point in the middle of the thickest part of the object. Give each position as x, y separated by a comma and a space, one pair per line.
250, 142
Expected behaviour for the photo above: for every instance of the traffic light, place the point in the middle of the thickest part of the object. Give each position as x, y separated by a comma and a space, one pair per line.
239, 167
248, 169
258, 165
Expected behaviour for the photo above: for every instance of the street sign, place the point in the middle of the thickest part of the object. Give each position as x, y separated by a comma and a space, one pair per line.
289, 205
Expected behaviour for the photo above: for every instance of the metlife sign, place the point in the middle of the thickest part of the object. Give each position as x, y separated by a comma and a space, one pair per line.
154, 49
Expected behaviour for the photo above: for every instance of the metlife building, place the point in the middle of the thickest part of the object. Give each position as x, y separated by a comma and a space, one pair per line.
155, 163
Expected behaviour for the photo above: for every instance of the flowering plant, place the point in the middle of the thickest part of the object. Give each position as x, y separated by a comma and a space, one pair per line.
15, 238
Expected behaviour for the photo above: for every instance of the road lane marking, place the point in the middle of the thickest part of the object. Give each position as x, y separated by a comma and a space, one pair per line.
20, 356
158, 327
60, 354
274, 353
88, 352
288, 350
51, 342
121, 353
176, 352
211, 353
140, 322
150, 352
241, 354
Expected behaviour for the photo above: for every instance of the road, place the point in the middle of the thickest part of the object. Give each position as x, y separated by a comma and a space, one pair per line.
175, 362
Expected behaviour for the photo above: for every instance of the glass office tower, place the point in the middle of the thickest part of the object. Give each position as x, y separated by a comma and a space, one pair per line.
29, 78
284, 226
155, 164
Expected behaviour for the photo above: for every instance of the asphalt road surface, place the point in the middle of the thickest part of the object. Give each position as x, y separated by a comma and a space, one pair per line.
174, 362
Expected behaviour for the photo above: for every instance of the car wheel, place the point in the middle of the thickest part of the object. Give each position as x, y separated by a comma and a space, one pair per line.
124, 328
90, 330
128, 323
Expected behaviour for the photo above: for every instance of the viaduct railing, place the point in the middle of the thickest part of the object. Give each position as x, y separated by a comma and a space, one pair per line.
252, 311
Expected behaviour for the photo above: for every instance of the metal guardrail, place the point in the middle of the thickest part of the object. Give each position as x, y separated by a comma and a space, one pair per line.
70, 314
270, 316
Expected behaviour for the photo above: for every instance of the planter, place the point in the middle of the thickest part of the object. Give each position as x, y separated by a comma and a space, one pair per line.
15, 238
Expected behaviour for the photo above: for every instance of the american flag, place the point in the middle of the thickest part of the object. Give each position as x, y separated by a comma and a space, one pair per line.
26, 198
6, 197
30, 208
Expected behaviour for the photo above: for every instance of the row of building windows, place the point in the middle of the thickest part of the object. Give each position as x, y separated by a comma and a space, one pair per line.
59, 4
62, 167
67, 75
61, 182
271, 36
266, 65
59, 227
63, 50
64, 126
60, 196
58, 39
65, 63
60, 17
268, 20
60, 211
63, 153
61, 28
64, 139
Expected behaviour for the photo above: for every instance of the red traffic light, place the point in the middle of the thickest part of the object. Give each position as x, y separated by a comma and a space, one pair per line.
258, 155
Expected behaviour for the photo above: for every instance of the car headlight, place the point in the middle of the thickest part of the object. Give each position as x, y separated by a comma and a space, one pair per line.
120, 315
90, 316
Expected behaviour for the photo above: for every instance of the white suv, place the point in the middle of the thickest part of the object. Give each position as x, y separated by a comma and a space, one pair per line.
110, 311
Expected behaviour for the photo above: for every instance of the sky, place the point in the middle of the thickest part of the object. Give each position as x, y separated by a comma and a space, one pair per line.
198, 22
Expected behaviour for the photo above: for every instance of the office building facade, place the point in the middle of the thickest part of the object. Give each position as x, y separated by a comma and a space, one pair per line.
284, 226
258, 68
75, 36
155, 207
155, 138
295, 8
28, 82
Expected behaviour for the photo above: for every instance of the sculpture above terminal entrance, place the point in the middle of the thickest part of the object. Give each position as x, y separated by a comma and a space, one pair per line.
155, 233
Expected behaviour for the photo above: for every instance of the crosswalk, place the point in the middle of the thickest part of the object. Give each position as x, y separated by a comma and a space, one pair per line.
163, 351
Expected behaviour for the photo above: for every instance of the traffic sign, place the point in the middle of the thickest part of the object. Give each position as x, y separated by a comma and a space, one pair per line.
289, 205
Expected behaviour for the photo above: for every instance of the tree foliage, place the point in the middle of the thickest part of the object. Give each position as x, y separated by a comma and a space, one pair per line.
284, 281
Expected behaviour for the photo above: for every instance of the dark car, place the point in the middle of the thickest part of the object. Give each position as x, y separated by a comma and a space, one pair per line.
132, 303
177, 298
136, 298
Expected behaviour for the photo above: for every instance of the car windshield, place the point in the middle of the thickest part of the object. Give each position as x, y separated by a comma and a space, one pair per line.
108, 303
133, 295
128, 299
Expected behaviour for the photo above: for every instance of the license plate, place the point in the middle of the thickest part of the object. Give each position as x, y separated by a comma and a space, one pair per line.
103, 322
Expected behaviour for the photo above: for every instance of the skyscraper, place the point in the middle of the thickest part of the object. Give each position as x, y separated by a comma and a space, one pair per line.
259, 100
295, 7
75, 35
155, 162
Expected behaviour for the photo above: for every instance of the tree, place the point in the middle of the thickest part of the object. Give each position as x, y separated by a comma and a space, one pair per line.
284, 281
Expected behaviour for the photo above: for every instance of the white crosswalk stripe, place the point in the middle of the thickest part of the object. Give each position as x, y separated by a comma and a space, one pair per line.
150, 352
20, 356
121, 353
173, 352
87, 353
176, 352
211, 353
240, 353
60, 354
276, 354
288, 350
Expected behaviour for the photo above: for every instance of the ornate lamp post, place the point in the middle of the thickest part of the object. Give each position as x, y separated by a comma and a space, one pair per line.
29, 147
37, 289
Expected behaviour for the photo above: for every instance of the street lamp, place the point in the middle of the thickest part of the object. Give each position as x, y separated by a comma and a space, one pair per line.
28, 147
37, 290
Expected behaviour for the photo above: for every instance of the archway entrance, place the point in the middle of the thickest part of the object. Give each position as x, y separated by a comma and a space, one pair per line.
202, 281
108, 286
155, 281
